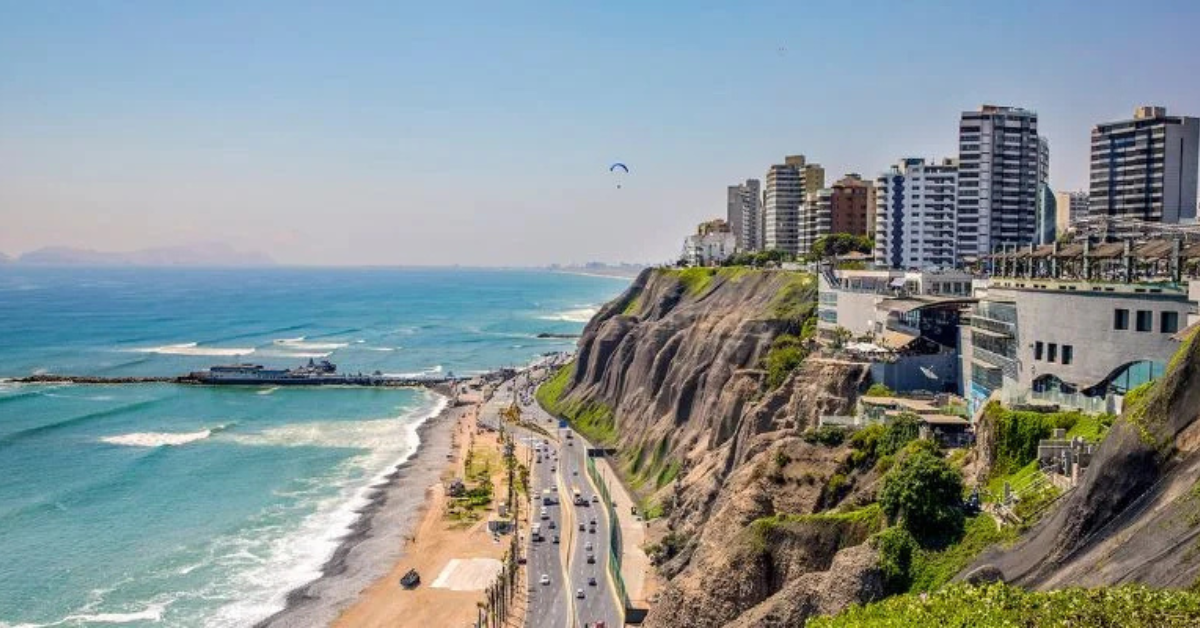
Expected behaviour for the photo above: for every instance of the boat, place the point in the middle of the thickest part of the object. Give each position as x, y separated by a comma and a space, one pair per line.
311, 374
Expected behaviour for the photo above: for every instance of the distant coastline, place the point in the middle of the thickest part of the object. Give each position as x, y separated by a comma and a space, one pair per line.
616, 273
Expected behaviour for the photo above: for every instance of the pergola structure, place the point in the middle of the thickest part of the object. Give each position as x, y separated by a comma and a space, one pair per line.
1152, 260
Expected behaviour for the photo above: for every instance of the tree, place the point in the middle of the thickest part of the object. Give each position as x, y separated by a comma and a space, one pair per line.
836, 244
923, 494
841, 336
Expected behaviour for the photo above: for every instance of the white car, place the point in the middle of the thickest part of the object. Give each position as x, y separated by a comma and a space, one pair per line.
545, 579
587, 547
579, 593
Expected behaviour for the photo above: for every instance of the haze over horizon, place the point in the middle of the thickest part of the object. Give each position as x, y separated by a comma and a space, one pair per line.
468, 134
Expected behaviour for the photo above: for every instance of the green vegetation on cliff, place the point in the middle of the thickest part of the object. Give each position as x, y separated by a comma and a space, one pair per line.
851, 527
923, 494
593, 419
963, 606
1017, 433
795, 305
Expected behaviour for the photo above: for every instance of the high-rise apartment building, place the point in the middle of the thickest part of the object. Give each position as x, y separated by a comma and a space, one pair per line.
1045, 214
1000, 163
743, 213
1070, 207
787, 185
915, 225
1145, 168
847, 206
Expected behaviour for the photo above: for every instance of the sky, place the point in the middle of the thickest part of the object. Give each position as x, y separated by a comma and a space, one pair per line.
481, 133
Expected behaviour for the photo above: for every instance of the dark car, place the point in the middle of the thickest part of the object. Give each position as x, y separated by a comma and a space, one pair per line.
591, 559
556, 539
592, 581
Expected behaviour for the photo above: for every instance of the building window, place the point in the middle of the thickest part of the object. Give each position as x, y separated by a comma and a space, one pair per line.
1068, 354
1145, 320
1168, 322
1037, 350
1121, 319
1052, 352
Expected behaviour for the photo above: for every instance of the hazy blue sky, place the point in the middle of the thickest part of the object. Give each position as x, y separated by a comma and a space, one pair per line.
481, 132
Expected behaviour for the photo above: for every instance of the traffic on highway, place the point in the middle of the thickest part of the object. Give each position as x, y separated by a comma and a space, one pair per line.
569, 542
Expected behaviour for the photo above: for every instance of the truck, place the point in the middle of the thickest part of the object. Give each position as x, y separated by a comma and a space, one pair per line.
577, 497
536, 532
547, 497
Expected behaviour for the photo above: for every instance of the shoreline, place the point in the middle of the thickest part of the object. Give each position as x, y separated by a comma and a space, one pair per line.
369, 549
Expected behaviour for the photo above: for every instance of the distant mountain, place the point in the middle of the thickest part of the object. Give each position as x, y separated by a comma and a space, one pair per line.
208, 254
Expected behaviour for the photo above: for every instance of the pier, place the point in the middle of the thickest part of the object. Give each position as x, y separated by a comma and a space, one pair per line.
348, 380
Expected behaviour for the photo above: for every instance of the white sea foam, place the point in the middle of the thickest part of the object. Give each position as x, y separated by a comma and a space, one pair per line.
579, 315
429, 372
194, 349
382, 349
300, 344
152, 613
293, 559
159, 439
267, 391
268, 353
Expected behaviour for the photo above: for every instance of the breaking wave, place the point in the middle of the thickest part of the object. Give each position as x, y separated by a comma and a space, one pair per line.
194, 349
579, 315
160, 439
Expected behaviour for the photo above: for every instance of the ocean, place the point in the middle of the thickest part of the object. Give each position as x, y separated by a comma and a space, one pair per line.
157, 504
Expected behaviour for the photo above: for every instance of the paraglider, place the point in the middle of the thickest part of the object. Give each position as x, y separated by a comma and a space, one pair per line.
619, 166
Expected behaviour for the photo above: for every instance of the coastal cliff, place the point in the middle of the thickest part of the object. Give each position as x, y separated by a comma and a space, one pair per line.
703, 382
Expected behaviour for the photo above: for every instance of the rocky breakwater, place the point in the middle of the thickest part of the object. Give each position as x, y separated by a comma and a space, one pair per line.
704, 382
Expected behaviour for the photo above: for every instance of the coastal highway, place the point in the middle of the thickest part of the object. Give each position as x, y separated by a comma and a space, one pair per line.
549, 606
600, 601
571, 570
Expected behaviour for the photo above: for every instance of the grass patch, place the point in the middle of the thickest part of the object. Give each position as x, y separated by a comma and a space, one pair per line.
695, 280
796, 300
854, 525
593, 419
633, 307
933, 569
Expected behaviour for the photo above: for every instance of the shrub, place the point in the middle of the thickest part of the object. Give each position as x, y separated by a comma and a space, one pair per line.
780, 362
879, 390
923, 494
896, 551
828, 435
897, 433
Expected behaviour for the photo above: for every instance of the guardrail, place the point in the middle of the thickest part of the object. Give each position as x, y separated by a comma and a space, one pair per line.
614, 545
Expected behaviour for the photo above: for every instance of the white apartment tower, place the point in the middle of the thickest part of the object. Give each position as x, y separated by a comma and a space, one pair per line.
744, 214
915, 208
1145, 168
1000, 167
786, 188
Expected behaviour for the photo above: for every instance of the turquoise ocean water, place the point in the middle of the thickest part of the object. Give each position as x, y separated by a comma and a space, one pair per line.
191, 506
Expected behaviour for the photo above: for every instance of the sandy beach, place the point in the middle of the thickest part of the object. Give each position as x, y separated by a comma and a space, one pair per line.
375, 543
438, 542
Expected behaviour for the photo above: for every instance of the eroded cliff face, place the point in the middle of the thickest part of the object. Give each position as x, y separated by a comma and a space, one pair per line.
1136, 515
678, 359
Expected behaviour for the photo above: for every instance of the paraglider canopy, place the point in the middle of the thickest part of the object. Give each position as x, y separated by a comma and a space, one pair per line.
618, 166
